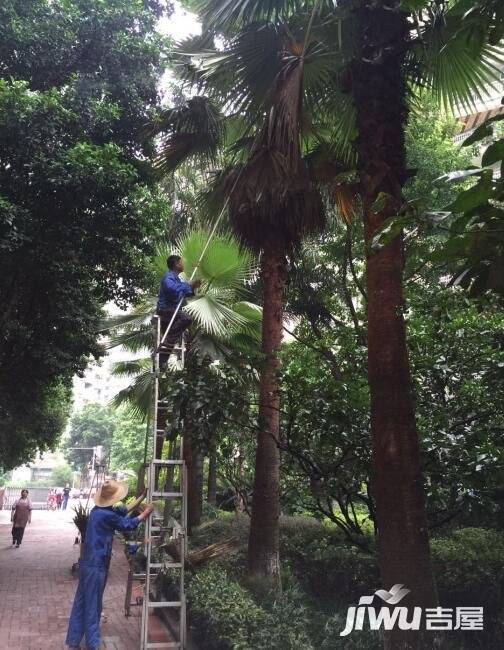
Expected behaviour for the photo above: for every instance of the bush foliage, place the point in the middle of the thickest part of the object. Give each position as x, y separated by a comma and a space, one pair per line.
322, 576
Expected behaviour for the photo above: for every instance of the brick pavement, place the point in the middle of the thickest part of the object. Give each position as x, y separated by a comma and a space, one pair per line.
37, 588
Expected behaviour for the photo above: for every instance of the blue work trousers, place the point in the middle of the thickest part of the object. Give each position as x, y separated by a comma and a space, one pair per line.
87, 607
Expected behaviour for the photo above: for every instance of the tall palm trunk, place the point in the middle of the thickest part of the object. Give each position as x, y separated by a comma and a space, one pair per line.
263, 547
380, 99
194, 468
212, 476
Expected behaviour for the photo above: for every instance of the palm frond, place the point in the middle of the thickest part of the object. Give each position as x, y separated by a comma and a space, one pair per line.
214, 316
225, 265
220, 14
274, 198
132, 319
133, 339
136, 397
448, 64
226, 14
239, 75
132, 367
252, 315
194, 130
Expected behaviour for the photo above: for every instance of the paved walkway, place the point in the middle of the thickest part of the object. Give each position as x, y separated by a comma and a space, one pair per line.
37, 588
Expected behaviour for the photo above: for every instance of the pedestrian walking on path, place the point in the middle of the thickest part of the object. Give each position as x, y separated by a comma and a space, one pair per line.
51, 500
20, 516
103, 521
66, 496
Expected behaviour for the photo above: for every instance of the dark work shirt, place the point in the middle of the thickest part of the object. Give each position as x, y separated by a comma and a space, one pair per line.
172, 291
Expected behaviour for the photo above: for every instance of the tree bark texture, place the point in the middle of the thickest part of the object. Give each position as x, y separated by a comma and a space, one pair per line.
263, 548
212, 477
379, 90
194, 468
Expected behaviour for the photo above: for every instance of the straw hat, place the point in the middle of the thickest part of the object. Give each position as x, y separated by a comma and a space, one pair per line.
110, 492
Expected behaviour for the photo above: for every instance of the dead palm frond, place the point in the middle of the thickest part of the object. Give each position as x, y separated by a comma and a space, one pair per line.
202, 555
275, 199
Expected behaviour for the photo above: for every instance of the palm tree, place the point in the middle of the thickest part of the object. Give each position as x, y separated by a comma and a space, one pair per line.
272, 205
380, 84
384, 52
225, 326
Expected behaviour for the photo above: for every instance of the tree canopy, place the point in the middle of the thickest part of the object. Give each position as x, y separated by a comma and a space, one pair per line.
92, 426
78, 209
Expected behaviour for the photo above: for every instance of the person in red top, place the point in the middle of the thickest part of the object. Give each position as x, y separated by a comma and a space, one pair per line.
51, 500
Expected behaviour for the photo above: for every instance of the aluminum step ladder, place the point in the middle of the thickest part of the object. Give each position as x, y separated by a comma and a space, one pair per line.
167, 485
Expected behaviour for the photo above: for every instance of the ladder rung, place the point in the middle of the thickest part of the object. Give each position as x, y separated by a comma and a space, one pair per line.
165, 529
166, 495
164, 603
171, 461
142, 576
165, 565
175, 523
163, 644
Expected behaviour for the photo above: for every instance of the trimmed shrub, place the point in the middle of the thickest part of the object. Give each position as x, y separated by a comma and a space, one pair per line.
239, 614
223, 609
362, 640
232, 620
469, 569
326, 565
469, 557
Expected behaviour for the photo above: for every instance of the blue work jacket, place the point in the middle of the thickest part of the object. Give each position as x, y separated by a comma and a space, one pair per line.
102, 524
172, 291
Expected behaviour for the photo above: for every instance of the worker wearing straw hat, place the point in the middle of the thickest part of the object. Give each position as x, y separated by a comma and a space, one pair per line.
103, 521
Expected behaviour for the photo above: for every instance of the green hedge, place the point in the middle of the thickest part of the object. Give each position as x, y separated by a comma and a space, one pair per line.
235, 615
468, 557
226, 617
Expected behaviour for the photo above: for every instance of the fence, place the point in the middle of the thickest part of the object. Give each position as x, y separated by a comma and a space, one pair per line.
38, 496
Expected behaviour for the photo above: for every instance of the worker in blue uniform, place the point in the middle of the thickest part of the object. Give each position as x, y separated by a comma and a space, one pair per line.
171, 291
103, 521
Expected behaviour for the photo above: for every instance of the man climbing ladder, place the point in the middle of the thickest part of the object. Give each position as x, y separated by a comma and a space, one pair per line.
171, 291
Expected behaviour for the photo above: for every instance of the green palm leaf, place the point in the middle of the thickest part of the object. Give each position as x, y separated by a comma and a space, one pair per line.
448, 64
225, 264
214, 316
221, 14
131, 367
137, 396
252, 316
133, 340
132, 319
194, 130
240, 74
222, 327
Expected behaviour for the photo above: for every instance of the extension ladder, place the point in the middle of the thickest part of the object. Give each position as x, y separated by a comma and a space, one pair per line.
167, 483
